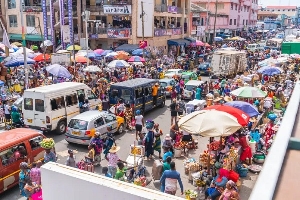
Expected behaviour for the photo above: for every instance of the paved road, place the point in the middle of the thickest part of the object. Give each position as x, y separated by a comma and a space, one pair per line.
159, 115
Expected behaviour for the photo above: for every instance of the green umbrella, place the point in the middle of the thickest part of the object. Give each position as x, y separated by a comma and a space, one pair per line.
249, 92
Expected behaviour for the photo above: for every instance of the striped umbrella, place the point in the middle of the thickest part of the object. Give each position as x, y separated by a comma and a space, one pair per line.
136, 59
118, 64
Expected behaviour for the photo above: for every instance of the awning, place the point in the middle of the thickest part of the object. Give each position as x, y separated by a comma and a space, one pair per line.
179, 42
127, 47
29, 37
192, 40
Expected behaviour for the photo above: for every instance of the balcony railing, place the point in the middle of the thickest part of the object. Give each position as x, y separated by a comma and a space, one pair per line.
32, 9
110, 32
165, 32
95, 8
161, 8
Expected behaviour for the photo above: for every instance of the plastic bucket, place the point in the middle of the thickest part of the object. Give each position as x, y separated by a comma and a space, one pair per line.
177, 153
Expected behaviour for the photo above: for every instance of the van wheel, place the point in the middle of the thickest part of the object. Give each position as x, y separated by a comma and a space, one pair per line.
121, 128
61, 127
162, 104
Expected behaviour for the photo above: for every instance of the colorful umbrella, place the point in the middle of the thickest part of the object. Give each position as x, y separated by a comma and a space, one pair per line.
207, 45
204, 123
105, 52
58, 70
111, 54
62, 51
122, 56
46, 43
93, 55
136, 59
240, 115
246, 107
17, 44
74, 47
41, 57
81, 59
21, 50
118, 64
92, 68
249, 92
17, 61
137, 52
199, 43
98, 51
269, 70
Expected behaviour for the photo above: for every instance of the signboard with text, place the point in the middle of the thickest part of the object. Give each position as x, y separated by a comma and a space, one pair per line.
166, 32
117, 9
61, 58
118, 33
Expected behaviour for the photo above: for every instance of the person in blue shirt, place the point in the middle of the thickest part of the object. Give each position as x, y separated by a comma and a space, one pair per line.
105, 172
167, 154
169, 180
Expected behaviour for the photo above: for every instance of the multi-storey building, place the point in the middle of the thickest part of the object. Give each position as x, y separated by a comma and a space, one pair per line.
233, 16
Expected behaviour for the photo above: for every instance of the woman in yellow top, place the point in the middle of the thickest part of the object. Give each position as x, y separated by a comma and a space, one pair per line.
91, 155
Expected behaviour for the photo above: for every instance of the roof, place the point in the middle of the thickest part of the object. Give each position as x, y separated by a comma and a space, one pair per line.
266, 13
90, 115
281, 7
55, 87
133, 82
20, 134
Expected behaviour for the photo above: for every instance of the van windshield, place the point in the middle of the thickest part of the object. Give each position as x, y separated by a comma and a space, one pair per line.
189, 87
78, 124
126, 94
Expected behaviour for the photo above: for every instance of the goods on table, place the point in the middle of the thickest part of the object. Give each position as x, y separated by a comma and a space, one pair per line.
140, 181
179, 145
215, 145
254, 168
204, 159
191, 194
47, 143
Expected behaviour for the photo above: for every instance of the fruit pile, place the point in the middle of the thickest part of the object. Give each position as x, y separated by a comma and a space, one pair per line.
204, 159
140, 181
47, 143
179, 145
214, 146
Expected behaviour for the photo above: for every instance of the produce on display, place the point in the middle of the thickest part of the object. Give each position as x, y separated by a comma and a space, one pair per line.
204, 159
47, 143
179, 145
140, 181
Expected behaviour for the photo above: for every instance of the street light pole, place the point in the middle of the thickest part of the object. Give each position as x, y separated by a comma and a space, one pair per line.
24, 45
86, 15
143, 26
215, 20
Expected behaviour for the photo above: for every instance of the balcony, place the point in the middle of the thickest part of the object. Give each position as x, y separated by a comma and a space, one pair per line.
161, 8
94, 8
114, 33
158, 32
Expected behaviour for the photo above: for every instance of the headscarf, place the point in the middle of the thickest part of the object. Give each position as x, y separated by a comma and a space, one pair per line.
24, 165
232, 184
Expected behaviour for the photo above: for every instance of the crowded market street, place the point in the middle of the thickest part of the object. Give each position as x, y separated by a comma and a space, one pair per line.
159, 115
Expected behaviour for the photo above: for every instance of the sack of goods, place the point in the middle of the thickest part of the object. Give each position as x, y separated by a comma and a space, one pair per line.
47, 143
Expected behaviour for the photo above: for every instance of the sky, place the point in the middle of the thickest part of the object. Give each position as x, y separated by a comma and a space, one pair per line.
279, 2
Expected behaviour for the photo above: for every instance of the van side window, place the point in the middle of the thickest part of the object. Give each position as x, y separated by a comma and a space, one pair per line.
13, 154
71, 99
39, 105
99, 122
57, 103
146, 91
28, 104
35, 142
81, 96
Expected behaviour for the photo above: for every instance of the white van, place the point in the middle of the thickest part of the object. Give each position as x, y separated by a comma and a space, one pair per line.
51, 107
253, 47
188, 88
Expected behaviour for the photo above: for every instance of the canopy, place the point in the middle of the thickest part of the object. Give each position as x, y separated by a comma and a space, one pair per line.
249, 92
204, 123
17, 61
179, 42
92, 68
246, 107
127, 47
58, 70
41, 57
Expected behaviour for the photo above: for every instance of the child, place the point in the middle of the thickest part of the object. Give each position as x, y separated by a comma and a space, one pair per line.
105, 172
91, 155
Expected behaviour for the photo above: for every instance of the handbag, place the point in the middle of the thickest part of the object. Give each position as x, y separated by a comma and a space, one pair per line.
133, 122
37, 196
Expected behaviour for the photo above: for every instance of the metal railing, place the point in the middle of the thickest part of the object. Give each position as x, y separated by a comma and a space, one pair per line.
32, 9
94, 8
265, 186
167, 32
111, 32
161, 8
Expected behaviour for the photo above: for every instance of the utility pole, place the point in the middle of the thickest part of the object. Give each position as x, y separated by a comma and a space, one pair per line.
24, 45
216, 10
143, 26
86, 15
43, 41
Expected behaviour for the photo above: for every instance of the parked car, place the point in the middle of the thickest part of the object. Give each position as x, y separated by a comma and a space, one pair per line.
170, 73
186, 76
82, 127
204, 69
167, 84
188, 88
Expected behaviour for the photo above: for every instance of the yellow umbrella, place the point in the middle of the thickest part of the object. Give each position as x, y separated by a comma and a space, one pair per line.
77, 48
18, 44
235, 38
204, 123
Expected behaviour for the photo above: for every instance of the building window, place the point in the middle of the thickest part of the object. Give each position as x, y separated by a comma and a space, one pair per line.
289, 10
231, 5
246, 22
230, 22
30, 20
245, 9
235, 6
234, 21
220, 6
13, 22
11, 4
293, 10
243, 22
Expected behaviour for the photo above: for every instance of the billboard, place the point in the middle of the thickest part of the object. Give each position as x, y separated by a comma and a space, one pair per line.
148, 18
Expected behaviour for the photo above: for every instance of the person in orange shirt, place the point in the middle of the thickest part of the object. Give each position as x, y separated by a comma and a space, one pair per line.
155, 89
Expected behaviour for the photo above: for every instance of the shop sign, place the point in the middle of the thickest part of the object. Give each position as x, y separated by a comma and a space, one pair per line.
93, 36
118, 33
172, 9
166, 32
143, 44
117, 9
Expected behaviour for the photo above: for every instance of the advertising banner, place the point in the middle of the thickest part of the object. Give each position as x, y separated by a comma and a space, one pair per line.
44, 8
118, 33
114, 9
70, 15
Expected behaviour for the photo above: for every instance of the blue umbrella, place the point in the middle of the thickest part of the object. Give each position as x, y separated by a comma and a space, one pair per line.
245, 107
270, 71
218, 39
58, 70
17, 61
118, 64
93, 55
137, 52
1, 83
104, 53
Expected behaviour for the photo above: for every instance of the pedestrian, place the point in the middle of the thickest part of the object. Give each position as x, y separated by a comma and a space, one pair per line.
105, 172
113, 158
139, 123
30, 188
109, 142
149, 140
35, 173
181, 107
155, 89
174, 109
49, 156
98, 145
157, 143
166, 165
169, 180
71, 160
23, 175
198, 93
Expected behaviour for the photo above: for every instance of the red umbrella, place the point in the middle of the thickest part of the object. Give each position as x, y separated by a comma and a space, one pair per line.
241, 117
41, 57
136, 59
